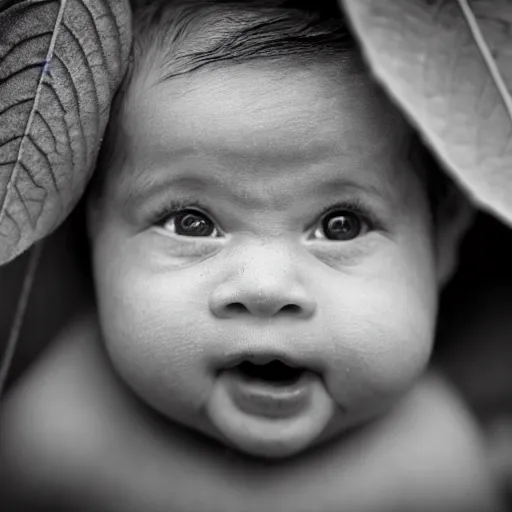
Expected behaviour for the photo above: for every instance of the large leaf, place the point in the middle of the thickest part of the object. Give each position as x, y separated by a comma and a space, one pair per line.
60, 64
448, 63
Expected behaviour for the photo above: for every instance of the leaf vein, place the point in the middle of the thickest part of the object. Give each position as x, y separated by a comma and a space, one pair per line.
89, 72
485, 52
50, 131
16, 137
25, 206
11, 218
20, 71
96, 33
117, 29
63, 109
17, 104
24, 41
75, 95
14, 173
30, 175
47, 159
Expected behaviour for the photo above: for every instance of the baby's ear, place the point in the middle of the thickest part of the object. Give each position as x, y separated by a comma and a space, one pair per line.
454, 216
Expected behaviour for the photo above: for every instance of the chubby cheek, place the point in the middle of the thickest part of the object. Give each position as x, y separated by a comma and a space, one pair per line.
382, 342
152, 329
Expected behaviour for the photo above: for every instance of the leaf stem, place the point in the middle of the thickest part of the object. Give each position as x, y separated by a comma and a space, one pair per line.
486, 55
14, 334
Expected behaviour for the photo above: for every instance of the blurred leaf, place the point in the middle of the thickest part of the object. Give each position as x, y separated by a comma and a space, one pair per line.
448, 64
60, 64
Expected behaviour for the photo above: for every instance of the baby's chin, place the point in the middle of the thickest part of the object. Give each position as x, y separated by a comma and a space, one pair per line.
270, 419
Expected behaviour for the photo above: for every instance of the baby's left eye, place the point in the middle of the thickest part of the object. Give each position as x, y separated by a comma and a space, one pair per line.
342, 226
191, 222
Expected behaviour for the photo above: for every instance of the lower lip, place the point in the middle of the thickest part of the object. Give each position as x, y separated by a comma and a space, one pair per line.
268, 419
267, 399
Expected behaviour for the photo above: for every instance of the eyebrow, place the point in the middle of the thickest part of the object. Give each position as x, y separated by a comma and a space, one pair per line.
145, 183
140, 190
381, 189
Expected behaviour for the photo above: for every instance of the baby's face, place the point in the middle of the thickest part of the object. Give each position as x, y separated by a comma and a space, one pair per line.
264, 259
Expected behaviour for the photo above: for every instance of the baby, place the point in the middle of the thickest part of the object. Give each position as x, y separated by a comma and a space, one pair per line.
268, 247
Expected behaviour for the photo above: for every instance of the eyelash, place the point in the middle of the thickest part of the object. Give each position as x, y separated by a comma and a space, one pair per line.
356, 206
161, 215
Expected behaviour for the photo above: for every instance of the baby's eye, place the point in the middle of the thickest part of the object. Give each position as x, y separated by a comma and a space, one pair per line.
342, 226
190, 222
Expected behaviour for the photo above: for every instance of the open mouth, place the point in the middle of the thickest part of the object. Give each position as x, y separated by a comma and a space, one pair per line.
269, 405
274, 372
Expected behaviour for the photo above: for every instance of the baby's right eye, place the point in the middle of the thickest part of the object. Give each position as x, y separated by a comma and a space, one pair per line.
190, 222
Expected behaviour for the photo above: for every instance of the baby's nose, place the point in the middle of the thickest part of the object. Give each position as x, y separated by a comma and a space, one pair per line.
233, 301
263, 288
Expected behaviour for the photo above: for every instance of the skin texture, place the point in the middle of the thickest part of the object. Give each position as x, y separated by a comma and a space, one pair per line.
73, 433
263, 151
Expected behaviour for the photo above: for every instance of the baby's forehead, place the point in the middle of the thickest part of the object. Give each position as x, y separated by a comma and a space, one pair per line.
240, 93
240, 56
260, 123
324, 102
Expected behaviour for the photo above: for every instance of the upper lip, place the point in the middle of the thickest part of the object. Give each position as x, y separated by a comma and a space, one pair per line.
261, 358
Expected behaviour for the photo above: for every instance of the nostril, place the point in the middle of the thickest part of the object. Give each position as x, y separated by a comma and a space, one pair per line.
291, 308
236, 307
